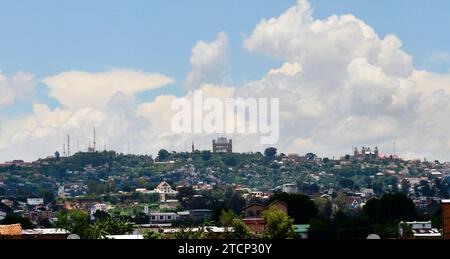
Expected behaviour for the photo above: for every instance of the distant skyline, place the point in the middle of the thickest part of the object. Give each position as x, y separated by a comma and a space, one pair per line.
348, 73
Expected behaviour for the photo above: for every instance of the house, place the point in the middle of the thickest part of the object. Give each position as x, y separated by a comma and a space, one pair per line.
164, 188
253, 211
125, 237
169, 205
157, 217
16, 232
289, 188
143, 191
35, 201
367, 192
413, 181
418, 230
8, 203
280, 206
253, 215
10, 230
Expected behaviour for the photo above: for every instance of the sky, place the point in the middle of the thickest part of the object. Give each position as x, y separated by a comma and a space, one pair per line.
68, 65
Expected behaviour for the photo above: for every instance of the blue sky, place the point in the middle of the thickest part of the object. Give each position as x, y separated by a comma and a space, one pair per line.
47, 37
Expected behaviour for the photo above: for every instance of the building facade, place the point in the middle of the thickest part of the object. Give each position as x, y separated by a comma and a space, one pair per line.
222, 145
253, 215
446, 219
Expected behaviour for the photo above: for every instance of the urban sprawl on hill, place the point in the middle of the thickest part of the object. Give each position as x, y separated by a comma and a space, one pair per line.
220, 194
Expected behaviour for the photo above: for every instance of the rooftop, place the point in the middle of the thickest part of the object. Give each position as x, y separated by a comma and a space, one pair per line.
126, 237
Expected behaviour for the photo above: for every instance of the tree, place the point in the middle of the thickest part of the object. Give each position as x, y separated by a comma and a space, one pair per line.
101, 215
240, 230
278, 224
311, 156
346, 183
76, 222
206, 155
324, 207
11, 219
185, 192
226, 219
341, 202
270, 152
163, 155
109, 226
153, 235
391, 208
234, 200
48, 196
230, 160
300, 207
405, 186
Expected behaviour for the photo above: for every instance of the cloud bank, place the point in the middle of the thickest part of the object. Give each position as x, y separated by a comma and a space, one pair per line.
340, 85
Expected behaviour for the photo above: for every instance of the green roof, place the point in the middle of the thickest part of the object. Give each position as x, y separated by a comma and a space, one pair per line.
301, 228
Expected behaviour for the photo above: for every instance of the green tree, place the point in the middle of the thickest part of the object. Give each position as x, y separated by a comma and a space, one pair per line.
391, 208
271, 152
300, 207
278, 224
109, 226
226, 219
341, 202
405, 186
206, 155
240, 230
11, 219
76, 222
163, 155
153, 235
324, 207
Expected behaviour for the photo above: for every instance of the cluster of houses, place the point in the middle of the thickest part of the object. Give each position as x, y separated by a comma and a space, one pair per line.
34, 209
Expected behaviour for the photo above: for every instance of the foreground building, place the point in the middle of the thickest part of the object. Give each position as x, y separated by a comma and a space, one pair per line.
418, 230
253, 215
16, 232
445, 219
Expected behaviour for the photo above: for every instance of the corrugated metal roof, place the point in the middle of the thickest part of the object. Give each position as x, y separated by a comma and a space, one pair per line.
11, 230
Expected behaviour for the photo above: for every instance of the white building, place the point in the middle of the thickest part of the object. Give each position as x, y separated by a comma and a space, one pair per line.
158, 217
367, 192
125, 237
61, 191
35, 201
164, 188
419, 230
289, 188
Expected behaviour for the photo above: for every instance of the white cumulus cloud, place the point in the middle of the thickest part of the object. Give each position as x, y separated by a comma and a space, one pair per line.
20, 86
75, 89
207, 61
